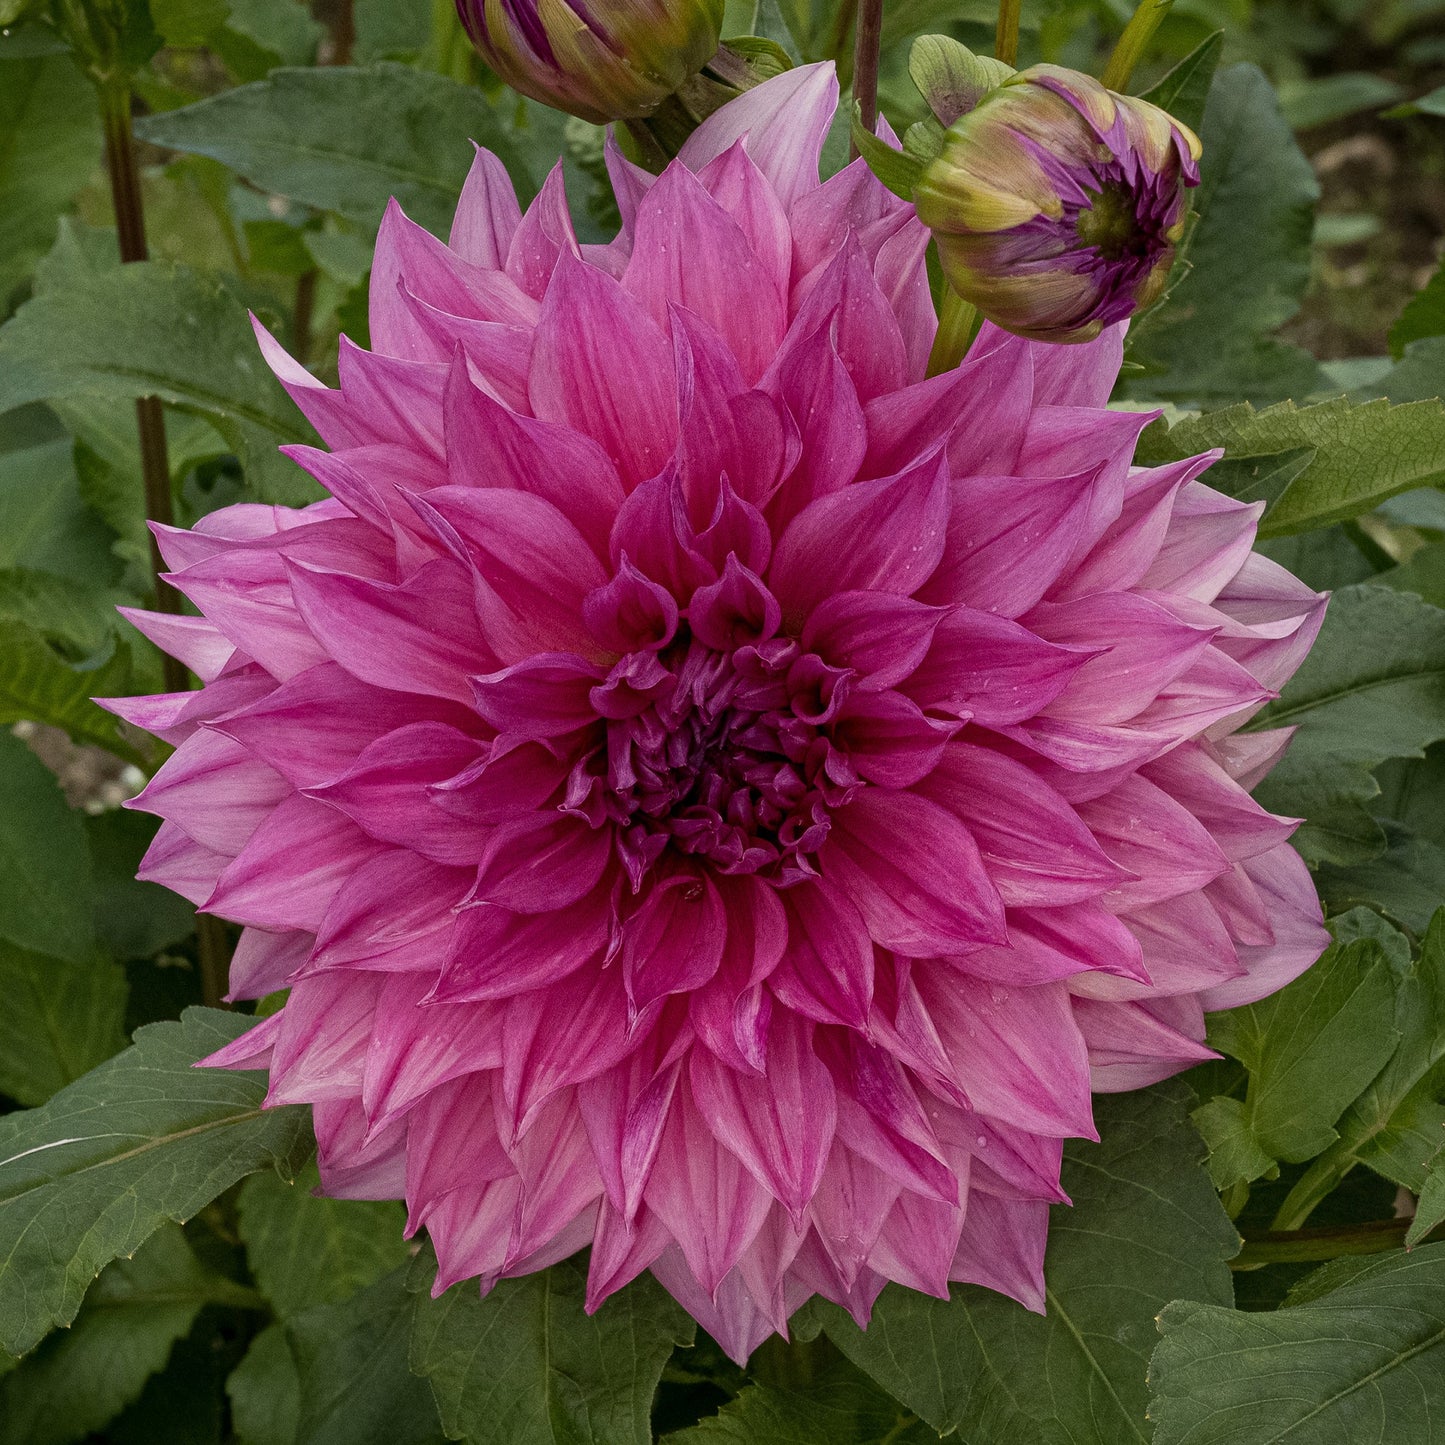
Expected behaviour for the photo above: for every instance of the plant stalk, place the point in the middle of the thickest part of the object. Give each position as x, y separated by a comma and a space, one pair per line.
1312, 1246
1006, 36
866, 49
957, 323
1133, 42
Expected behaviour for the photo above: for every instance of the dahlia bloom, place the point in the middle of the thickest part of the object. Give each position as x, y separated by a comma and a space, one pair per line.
1057, 204
601, 60
712, 793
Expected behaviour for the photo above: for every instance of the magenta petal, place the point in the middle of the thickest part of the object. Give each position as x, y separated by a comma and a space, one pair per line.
264, 962
487, 213
541, 697
195, 641
880, 536
674, 942
882, 637
544, 236
1003, 1248
889, 740
541, 863
915, 873
603, 366
779, 1125
827, 970
1131, 1048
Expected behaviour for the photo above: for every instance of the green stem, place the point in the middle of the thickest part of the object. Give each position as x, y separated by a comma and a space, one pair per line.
1312, 1246
957, 323
866, 49
1133, 42
1310, 1190
1006, 37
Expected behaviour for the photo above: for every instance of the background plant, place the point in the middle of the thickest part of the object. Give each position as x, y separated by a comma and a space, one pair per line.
157, 1213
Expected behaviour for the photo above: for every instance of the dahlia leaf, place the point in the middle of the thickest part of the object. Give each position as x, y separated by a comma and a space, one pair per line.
526, 1366
305, 1250
1359, 454
346, 138
1430, 1212
49, 136
1083, 1361
61, 1019
1359, 1360
1185, 89
153, 329
1312, 1048
1248, 260
132, 1316
133, 919
1403, 882
1372, 688
837, 1406
1398, 1122
91, 1174
265, 1391
44, 860
351, 1358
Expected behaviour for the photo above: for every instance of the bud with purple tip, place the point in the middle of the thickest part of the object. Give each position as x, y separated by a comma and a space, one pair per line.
602, 60
1057, 204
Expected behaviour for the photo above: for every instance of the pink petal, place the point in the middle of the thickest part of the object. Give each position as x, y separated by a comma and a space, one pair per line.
487, 213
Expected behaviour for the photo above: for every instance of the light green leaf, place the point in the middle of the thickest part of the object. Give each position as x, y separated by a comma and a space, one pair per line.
146, 1137
38, 685
839, 1406
49, 146
1146, 1227
1248, 260
1316, 100
45, 878
306, 1250
1423, 574
72, 615
392, 29
265, 1391
1361, 1362
1372, 688
1398, 1122
155, 329
950, 77
351, 1358
60, 1019
133, 1314
346, 139
1235, 1156
44, 522
527, 1366
1356, 455
1430, 1211
285, 28
133, 919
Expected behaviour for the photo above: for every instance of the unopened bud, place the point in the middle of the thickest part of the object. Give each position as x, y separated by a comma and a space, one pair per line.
1057, 204
601, 60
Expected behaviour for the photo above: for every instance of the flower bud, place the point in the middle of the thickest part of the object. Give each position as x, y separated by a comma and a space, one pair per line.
601, 60
1057, 204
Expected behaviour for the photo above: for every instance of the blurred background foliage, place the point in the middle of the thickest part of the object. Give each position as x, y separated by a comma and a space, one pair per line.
270, 136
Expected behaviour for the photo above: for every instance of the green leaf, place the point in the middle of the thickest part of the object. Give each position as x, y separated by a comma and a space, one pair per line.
1312, 1047
839, 1406
1424, 315
1184, 91
1430, 1211
1356, 454
1360, 1362
1372, 688
898, 170
1423, 574
45, 878
1248, 260
133, 919
153, 329
352, 1361
284, 28
305, 1250
49, 141
950, 77
44, 522
1398, 1121
61, 1018
1235, 1155
392, 29
265, 1391
1405, 882
94, 1172
346, 139
132, 1316
1431, 103
38, 685
1145, 1227
1317, 100
526, 1365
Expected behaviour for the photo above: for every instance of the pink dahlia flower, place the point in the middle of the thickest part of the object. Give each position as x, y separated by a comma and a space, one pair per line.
712, 793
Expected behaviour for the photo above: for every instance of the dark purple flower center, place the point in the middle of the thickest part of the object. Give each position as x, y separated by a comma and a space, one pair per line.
723, 754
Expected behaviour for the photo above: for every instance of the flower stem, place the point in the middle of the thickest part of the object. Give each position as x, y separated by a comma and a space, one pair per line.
1133, 42
1306, 1246
125, 191
956, 325
1006, 37
866, 48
